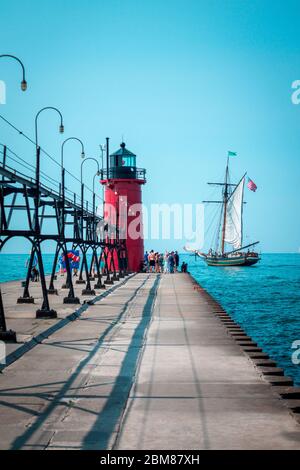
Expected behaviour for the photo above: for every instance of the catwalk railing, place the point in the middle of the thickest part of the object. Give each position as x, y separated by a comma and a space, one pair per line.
75, 226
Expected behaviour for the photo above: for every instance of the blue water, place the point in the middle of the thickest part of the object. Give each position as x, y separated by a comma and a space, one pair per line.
263, 299
12, 267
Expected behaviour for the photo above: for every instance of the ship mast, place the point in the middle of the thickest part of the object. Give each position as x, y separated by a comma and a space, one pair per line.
225, 200
227, 209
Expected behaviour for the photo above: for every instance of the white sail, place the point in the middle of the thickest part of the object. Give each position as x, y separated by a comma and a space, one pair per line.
234, 216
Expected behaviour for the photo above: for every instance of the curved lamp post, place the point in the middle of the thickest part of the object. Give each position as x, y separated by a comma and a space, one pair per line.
96, 174
61, 127
85, 160
82, 187
88, 287
102, 148
62, 160
63, 144
94, 196
23, 82
37, 169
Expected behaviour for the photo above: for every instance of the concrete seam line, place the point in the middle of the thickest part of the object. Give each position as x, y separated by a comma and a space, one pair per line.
40, 337
138, 364
117, 325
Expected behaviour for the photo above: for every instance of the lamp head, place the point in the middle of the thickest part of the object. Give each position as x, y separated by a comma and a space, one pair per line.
23, 85
82, 154
61, 128
98, 173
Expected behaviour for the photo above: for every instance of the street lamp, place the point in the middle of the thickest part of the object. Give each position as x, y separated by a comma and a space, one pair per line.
82, 187
102, 148
61, 126
96, 174
38, 151
62, 158
23, 82
62, 148
82, 208
62, 189
85, 160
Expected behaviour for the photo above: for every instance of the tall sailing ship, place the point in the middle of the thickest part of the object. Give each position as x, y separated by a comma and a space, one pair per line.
229, 249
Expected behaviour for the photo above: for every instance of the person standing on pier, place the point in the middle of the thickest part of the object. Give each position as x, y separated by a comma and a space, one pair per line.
76, 262
184, 267
176, 259
166, 262
61, 262
151, 259
171, 262
161, 263
157, 265
34, 261
146, 261
102, 264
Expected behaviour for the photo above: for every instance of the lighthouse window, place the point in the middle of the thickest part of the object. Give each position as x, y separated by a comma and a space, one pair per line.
128, 161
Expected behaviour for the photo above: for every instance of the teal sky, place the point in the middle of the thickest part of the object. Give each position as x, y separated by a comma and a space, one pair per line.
182, 81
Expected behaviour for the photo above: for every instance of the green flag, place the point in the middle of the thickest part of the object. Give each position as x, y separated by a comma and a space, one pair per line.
232, 154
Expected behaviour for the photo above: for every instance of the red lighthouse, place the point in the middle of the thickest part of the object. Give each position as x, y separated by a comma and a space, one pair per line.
123, 202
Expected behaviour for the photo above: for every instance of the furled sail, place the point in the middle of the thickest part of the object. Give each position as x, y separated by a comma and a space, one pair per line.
234, 213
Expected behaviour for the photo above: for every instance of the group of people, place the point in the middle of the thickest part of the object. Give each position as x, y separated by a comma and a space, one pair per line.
74, 263
155, 262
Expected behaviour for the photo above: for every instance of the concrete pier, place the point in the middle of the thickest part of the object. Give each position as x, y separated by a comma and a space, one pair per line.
156, 364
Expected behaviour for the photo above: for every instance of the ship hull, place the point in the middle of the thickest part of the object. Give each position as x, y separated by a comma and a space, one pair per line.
234, 261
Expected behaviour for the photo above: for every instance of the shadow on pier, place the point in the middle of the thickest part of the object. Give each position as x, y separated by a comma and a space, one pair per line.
115, 402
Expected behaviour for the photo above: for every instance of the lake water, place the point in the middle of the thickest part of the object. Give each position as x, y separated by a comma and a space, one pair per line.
13, 267
264, 299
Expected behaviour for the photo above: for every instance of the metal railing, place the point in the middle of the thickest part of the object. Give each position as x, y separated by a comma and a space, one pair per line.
124, 172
